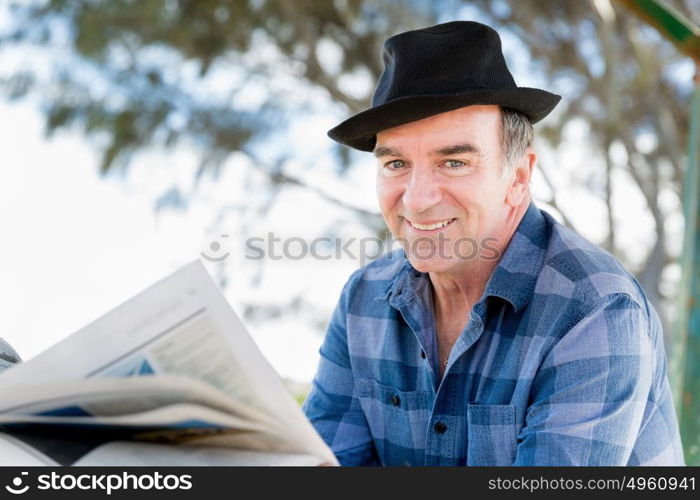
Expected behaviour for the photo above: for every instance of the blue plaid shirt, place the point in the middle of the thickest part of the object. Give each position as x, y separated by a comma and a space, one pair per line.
561, 363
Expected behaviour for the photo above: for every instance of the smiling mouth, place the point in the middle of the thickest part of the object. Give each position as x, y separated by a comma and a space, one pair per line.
430, 227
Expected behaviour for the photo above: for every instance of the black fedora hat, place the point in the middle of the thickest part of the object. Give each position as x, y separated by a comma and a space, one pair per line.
438, 69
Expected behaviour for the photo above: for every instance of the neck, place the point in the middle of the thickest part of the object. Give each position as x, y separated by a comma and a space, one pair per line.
457, 291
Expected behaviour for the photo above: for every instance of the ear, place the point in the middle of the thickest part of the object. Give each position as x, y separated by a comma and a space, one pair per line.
522, 172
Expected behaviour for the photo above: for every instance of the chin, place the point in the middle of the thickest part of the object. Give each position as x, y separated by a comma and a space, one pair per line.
433, 265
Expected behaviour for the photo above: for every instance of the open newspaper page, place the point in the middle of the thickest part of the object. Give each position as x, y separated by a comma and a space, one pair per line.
172, 365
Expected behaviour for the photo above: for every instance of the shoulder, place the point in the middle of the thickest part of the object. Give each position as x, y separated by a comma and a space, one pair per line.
584, 272
374, 279
381, 271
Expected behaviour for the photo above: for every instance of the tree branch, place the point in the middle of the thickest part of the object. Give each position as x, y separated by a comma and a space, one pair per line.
278, 177
553, 200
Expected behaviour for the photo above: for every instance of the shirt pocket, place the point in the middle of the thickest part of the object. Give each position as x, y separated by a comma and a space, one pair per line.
397, 420
491, 434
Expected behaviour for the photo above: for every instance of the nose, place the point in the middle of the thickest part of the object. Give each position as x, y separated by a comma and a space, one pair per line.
422, 191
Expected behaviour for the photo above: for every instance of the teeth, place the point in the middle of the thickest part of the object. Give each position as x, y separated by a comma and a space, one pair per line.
431, 226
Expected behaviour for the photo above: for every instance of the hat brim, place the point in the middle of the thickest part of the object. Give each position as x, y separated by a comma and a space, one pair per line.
360, 130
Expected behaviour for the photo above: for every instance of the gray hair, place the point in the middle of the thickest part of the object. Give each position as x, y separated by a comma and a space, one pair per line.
516, 136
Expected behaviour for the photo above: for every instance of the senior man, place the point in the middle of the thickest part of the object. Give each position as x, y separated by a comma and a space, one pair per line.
541, 349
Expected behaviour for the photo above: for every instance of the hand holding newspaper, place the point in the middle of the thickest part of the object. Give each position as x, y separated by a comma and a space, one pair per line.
170, 377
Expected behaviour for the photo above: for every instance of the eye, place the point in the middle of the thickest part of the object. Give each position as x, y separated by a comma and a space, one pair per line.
454, 164
395, 164
393, 168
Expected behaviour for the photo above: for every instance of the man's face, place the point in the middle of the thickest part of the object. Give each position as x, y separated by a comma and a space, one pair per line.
441, 189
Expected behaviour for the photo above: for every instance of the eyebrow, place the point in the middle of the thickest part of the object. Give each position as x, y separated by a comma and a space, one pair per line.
380, 151
458, 149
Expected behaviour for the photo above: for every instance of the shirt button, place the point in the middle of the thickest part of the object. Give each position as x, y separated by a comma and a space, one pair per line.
422, 353
395, 400
440, 427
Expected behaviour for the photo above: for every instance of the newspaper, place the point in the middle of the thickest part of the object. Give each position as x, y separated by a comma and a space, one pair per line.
170, 377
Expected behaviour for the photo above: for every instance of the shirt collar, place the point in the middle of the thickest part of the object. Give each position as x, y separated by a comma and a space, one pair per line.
513, 279
516, 274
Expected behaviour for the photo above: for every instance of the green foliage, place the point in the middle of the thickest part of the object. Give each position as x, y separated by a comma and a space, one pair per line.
124, 81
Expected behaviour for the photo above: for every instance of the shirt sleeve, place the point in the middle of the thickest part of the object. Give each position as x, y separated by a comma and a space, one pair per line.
332, 405
589, 395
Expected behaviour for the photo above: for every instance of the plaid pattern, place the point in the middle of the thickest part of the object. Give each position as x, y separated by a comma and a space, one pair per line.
561, 363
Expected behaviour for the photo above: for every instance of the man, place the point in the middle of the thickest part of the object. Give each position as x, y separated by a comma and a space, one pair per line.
539, 349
